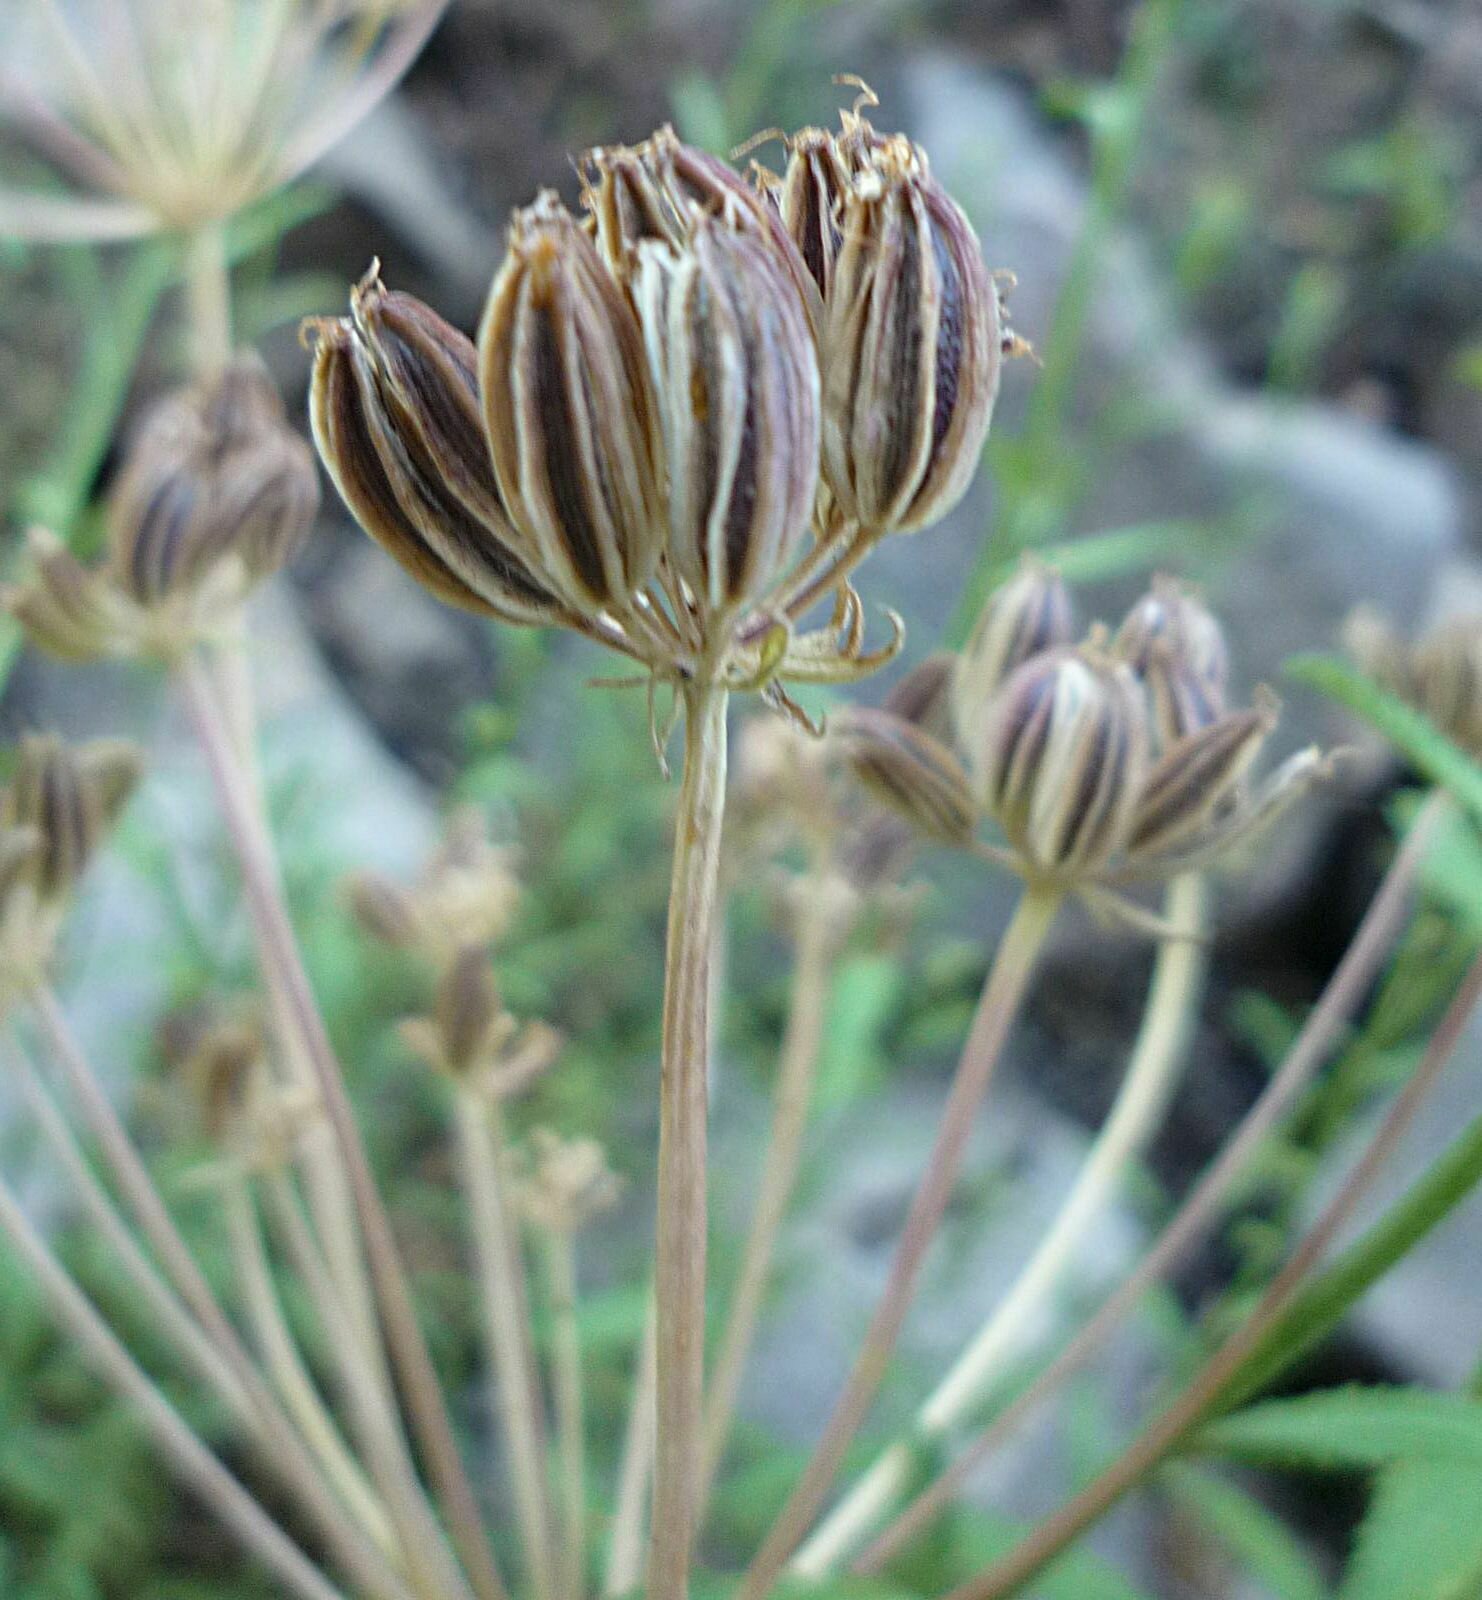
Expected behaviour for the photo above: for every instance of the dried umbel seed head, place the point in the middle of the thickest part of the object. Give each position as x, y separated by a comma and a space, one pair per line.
468, 1012
224, 1068
384, 910
1446, 667
395, 412
1021, 619
1441, 675
566, 1182
69, 796
66, 609
214, 476
660, 189
912, 347
735, 374
1064, 757
909, 771
1177, 647
569, 412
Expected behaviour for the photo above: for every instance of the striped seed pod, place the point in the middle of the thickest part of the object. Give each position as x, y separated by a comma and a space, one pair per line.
70, 795
67, 610
394, 407
660, 189
1199, 779
1022, 618
736, 378
1064, 759
1176, 645
569, 413
912, 773
810, 199
911, 347
923, 697
215, 473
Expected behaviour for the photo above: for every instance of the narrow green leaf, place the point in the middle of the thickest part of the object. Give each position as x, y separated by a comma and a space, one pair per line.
1356, 1428
1422, 1538
1416, 736
1255, 1536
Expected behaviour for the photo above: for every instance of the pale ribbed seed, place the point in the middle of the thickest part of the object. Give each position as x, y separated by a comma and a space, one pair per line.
737, 383
908, 770
1197, 779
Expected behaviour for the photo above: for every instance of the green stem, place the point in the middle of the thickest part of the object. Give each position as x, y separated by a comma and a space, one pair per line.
1003, 994
208, 300
683, 1096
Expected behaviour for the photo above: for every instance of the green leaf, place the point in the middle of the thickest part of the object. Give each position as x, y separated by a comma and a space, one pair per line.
1255, 1536
1414, 734
1355, 1428
1422, 1538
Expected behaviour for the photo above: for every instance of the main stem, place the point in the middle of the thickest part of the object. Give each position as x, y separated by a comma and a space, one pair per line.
1003, 992
681, 1228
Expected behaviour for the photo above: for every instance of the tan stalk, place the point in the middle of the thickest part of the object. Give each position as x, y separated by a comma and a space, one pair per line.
483, 1164
1011, 1572
559, 1251
1376, 936
285, 1450
1003, 994
197, 1468
279, 954
1161, 1047
625, 1550
284, 1365
817, 945
679, 1282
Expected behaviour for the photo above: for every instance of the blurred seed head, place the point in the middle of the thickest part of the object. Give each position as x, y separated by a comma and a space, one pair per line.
909, 771
175, 116
1064, 757
215, 494
565, 1182
1176, 645
1441, 675
1021, 619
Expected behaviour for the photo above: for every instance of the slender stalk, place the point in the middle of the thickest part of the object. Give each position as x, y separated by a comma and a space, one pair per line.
283, 1448
558, 1249
197, 1468
208, 300
683, 1098
378, 1432
170, 1315
1204, 1392
501, 1265
1003, 993
325, 1180
1173, 998
1376, 936
279, 953
817, 946
625, 1551
281, 1358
